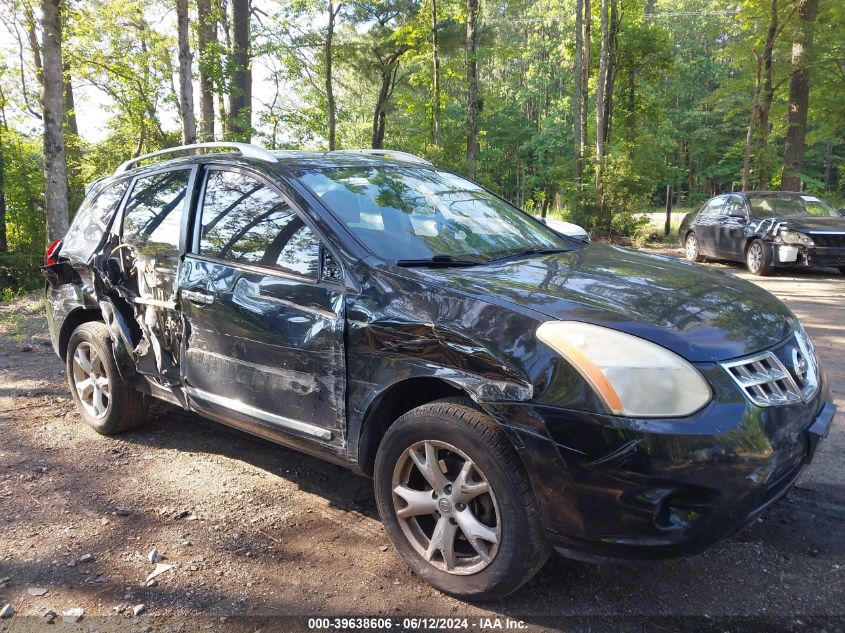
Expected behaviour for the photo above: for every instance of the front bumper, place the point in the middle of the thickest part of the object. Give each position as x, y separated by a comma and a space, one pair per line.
815, 256
620, 488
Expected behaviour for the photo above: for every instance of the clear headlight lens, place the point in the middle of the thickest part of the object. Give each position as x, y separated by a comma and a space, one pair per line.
796, 238
631, 375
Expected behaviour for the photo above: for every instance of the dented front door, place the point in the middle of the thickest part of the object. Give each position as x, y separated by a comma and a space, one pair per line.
264, 337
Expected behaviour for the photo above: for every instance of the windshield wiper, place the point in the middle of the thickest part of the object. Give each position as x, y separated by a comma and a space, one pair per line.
531, 251
436, 260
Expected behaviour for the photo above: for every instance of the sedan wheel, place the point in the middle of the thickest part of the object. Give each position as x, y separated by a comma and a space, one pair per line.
451, 518
758, 259
691, 248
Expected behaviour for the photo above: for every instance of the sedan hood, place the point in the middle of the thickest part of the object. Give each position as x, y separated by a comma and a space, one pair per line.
699, 313
809, 224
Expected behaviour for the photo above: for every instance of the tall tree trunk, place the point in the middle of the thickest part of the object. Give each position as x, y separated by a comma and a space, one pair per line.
435, 54
752, 120
206, 47
34, 45
577, 72
4, 245
472, 86
389, 70
240, 95
763, 163
601, 127
799, 97
585, 79
330, 100
186, 84
76, 190
55, 162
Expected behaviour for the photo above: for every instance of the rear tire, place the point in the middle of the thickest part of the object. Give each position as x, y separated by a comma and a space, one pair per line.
475, 533
691, 248
842, 269
758, 259
106, 403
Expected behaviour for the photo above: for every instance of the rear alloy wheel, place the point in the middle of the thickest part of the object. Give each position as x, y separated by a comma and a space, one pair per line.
457, 503
758, 259
691, 248
105, 403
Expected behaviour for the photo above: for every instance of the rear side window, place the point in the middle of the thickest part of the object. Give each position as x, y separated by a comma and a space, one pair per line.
714, 208
152, 219
245, 221
91, 221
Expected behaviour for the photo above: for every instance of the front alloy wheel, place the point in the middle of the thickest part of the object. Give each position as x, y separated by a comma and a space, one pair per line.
456, 501
446, 508
758, 259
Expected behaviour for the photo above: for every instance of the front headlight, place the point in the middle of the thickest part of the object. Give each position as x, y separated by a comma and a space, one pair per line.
631, 375
795, 238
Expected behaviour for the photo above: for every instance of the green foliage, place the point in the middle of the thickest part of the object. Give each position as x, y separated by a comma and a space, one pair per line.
682, 93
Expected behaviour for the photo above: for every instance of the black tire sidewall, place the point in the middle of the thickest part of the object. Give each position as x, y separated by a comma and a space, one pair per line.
494, 580
111, 419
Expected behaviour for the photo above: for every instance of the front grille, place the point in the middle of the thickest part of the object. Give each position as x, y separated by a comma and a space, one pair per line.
781, 376
828, 240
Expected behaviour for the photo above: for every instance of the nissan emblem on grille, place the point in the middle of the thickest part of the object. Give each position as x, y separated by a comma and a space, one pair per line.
785, 375
800, 367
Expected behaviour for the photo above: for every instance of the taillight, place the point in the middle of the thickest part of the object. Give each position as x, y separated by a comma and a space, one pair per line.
49, 258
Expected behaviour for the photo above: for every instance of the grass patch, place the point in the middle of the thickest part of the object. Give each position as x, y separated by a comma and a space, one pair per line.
22, 315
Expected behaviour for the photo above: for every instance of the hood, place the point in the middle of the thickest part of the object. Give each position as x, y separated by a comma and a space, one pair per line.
699, 313
809, 224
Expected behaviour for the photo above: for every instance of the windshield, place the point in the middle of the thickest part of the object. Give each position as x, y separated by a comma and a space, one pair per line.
409, 213
772, 206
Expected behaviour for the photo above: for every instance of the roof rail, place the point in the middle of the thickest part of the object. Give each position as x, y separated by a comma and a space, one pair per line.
386, 153
245, 149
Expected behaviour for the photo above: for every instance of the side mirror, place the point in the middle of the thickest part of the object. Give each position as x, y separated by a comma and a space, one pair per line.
566, 228
841, 212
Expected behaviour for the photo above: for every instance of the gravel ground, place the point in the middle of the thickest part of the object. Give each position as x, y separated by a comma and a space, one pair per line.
250, 532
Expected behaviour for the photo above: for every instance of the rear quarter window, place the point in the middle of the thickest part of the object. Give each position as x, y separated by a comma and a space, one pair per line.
91, 222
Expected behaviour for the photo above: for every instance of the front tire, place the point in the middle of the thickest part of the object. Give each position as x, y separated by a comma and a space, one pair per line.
106, 403
758, 259
691, 248
457, 503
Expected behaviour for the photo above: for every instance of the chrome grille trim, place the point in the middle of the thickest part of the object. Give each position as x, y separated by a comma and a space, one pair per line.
765, 380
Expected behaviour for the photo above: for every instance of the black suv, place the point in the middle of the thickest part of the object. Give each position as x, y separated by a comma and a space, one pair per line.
766, 230
510, 390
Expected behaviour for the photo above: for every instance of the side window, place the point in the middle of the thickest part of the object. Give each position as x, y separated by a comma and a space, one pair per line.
91, 221
714, 208
245, 221
735, 205
152, 219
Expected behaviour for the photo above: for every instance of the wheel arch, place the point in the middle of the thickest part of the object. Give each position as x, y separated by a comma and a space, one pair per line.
73, 320
393, 402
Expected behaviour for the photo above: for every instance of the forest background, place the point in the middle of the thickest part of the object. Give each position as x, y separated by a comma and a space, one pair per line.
594, 111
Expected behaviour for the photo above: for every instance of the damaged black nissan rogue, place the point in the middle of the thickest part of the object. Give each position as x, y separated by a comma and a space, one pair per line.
511, 390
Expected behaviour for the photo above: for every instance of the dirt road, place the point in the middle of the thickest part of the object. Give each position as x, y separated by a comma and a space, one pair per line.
255, 532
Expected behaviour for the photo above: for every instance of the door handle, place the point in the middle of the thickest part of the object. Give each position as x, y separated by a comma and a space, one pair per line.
195, 296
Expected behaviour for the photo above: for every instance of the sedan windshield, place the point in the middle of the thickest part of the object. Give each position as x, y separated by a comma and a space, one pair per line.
772, 206
417, 214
